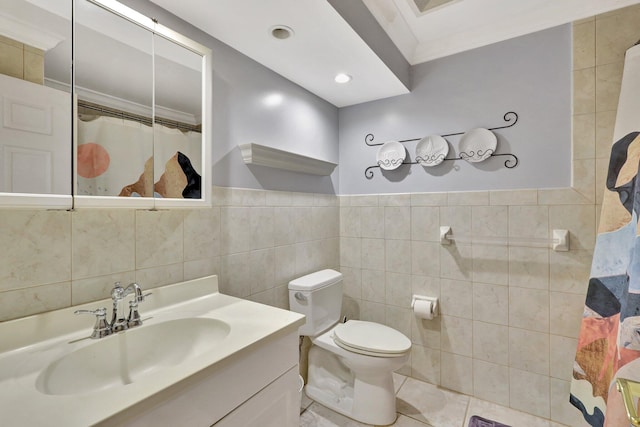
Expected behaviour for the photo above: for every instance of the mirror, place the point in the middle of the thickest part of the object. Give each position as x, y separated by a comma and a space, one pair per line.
143, 93
36, 104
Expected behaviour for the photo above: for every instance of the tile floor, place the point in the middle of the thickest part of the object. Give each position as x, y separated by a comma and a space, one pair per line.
421, 404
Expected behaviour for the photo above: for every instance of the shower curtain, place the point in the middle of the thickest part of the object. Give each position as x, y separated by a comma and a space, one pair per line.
125, 157
609, 340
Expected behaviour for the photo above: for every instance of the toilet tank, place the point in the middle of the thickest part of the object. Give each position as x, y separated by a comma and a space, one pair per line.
319, 297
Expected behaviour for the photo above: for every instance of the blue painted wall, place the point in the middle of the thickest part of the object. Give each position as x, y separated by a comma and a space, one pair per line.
530, 75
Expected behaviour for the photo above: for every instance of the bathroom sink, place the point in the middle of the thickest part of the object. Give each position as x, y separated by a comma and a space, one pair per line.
126, 357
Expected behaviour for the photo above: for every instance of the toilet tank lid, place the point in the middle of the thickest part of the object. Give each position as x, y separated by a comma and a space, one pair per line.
316, 280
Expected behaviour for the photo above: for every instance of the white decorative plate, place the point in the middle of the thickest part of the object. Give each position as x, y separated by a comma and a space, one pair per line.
477, 145
391, 155
431, 150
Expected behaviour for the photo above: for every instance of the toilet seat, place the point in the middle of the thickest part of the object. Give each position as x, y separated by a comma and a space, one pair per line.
371, 339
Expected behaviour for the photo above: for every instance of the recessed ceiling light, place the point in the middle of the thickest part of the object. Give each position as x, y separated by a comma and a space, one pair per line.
281, 32
342, 78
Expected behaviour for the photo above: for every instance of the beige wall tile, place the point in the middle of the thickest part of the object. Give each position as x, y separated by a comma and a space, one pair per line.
373, 285
365, 200
491, 343
513, 197
491, 303
562, 196
458, 218
569, 271
397, 222
489, 221
584, 136
398, 290
35, 248
398, 256
425, 223
425, 258
491, 264
584, 179
33, 66
162, 275
561, 410
34, 300
468, 198
457, 335
615, 34
425, 364
565, 313
491, 383
426, 332
350, 252
201, 234
159, 238
403, 199
350, 221
528, 267
11, 60
563, 350
584, 44
529, 309
285, 264
529, 221
456, 373
96, 288
529, 392
201, 268
262, 227
371, 222
373, 253
529, 351
429, 199
352, 282
456, 262
584, 91
284, 230
456, 298
605, 123
372, 312
580, 220
235, 231
281, 198
425, 285
608, 80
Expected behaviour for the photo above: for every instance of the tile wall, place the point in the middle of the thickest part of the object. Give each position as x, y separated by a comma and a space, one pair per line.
510, 315
257, 241
21, 61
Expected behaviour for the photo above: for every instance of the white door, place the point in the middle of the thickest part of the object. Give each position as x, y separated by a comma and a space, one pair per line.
35, 138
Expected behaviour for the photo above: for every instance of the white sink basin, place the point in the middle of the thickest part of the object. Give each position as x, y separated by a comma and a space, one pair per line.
126, 357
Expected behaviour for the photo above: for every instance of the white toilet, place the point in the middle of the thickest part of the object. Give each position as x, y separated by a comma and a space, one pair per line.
350, 364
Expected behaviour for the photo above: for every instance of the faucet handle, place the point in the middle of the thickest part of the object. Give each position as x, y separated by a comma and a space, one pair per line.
117, 293
101, 328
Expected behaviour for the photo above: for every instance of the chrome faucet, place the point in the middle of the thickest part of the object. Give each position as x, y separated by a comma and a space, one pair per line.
118, 323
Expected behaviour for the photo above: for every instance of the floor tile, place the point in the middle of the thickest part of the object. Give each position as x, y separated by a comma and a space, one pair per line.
404, 421
431, 405
503, 415
317, 415
398, 380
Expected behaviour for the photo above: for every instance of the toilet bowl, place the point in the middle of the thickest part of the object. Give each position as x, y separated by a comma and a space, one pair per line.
350, 364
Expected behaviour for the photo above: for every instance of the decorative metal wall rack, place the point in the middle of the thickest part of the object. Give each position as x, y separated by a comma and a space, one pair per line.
510, 117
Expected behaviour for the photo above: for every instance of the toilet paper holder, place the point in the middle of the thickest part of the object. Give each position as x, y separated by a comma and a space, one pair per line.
432, 300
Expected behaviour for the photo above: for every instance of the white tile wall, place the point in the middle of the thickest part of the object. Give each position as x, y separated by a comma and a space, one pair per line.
256, 241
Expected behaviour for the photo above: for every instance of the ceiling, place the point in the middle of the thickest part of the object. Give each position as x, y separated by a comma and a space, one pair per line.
324, 43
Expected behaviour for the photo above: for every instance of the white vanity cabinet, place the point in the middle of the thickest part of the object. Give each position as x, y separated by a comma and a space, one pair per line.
257, 386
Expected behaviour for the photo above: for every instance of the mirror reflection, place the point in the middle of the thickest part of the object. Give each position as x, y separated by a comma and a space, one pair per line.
178, 121
114, 88
35, 105
139, 109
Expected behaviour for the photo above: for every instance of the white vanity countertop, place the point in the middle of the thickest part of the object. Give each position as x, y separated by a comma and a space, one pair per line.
29, 345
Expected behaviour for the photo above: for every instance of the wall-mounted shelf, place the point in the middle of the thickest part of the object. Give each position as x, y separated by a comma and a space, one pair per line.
261, 155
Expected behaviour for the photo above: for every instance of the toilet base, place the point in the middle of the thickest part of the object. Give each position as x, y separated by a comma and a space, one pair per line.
364, 396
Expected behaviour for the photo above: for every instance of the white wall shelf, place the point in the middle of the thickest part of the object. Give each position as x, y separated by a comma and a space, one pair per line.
256, 154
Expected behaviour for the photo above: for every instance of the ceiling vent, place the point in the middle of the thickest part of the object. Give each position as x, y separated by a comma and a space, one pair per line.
425, 6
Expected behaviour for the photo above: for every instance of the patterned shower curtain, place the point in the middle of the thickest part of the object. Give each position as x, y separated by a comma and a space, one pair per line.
609, 340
